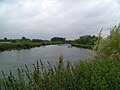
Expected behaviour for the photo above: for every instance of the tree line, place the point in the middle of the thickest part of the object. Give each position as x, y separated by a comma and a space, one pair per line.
85, 40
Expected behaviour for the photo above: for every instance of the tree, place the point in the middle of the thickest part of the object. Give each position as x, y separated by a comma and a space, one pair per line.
37, 40
23, 38
5, 39
58, 39
87, 39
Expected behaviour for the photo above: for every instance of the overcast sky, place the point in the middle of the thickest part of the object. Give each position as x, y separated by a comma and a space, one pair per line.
48, 18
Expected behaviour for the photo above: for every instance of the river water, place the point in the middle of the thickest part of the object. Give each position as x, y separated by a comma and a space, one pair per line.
11, 60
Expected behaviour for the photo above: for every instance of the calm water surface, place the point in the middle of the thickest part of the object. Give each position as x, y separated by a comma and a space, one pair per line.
11, 60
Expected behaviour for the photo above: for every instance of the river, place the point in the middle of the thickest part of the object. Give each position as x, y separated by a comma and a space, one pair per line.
11, 60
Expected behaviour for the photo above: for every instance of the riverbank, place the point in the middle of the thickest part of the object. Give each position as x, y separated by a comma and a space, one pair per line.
27, 45
24, 45
82, 46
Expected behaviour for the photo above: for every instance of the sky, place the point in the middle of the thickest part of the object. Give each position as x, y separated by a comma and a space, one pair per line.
45, 19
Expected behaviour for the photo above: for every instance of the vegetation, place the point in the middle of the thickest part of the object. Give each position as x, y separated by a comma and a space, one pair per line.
95, 75
13, 46
23, 43
110, 46
82, 45
87, 41
99, 73
58, 39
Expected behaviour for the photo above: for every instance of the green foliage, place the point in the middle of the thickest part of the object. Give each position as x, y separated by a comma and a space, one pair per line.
86, 75
58, 39
18, 44
5, 39
24, 43
87, 40
23, 38
21, 45
110, 46
37, 40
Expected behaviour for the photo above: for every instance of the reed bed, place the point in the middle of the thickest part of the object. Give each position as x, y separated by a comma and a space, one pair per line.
94, 75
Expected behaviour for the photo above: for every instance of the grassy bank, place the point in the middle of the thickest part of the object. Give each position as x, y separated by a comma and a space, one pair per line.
28, 45
13, 46
24, 45
82, 46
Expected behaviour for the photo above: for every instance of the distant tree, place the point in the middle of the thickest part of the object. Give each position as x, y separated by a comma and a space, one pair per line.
57, 39
87, 39
37, 40
23, 38
5, 39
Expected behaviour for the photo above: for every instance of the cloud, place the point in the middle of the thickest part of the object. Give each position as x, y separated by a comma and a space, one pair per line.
48, 18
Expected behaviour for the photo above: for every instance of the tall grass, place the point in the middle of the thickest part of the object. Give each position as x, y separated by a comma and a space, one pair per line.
110, 46
96, 75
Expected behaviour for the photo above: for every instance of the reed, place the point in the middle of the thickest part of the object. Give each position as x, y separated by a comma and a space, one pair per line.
94, 75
